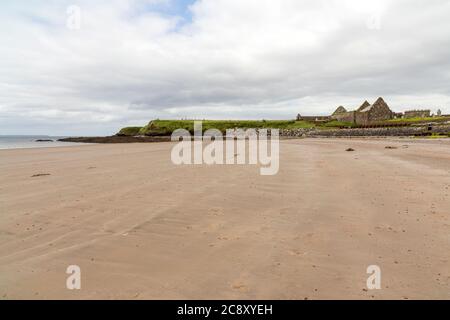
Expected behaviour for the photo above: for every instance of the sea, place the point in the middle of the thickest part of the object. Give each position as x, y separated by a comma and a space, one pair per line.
20, 142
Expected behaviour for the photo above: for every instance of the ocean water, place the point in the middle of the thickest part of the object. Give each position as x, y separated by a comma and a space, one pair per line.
19, 142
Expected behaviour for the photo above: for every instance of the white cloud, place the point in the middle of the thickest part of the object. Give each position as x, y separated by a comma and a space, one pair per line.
131, 62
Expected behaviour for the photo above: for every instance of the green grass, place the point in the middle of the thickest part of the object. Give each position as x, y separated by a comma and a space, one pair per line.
338, 124
418, 120
166, 127
439, 136
130, 131
435, 136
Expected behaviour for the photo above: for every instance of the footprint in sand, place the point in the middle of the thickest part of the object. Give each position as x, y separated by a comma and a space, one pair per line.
240, 287
214, 226
295, 252
386, 228
216, 212
286, 211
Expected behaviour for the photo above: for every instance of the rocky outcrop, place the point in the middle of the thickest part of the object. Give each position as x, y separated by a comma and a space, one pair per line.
116, 139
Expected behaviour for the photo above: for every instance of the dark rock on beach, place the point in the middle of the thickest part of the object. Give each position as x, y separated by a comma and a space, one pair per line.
40, 175
117, 139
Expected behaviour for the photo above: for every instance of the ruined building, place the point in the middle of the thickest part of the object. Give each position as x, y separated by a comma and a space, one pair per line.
417, 114
364, 105
366, 114
341, 114
379, 111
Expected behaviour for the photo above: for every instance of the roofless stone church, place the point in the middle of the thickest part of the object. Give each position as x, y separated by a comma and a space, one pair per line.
366, 114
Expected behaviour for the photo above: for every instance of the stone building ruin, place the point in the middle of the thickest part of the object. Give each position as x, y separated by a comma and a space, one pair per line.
368, 114
417, 114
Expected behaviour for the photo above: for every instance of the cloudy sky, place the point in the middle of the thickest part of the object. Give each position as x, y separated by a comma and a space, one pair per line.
91, 67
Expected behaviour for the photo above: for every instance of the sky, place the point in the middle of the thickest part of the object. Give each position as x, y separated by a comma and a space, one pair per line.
91, 67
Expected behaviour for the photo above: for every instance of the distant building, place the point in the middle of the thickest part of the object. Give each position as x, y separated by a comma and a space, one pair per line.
368, 114
379, 111
397, 115
363, 106
365, 114
339, 110
341, 114
314, 118
417, 114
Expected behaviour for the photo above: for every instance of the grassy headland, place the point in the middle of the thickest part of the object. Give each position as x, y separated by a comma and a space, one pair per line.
166, 127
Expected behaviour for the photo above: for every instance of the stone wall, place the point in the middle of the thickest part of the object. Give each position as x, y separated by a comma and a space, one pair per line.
367, 132
417, 114
380, 112
345, 116
294, 133
314, 118
362, 118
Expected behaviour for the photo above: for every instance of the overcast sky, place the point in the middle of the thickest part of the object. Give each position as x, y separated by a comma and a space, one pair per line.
101, 65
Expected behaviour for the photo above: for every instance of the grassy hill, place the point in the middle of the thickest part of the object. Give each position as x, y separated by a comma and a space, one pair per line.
166, 127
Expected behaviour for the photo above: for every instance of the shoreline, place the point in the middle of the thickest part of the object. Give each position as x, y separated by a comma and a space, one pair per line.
86, 141
82, 141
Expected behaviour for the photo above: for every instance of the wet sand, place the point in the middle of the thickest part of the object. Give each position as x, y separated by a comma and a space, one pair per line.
142, 228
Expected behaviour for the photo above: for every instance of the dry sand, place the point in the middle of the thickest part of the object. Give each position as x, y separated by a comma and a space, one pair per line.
141, 228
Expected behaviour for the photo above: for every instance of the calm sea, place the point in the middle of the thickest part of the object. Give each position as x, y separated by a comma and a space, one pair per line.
17, 142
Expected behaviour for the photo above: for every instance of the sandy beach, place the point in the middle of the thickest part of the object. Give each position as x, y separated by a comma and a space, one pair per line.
140, 227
